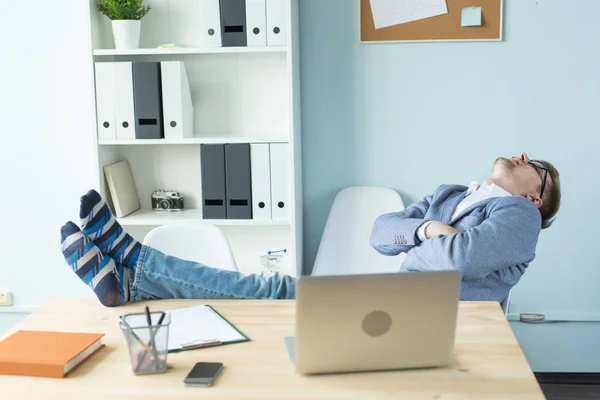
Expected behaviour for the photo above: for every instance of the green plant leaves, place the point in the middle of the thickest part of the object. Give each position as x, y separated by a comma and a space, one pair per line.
123, 9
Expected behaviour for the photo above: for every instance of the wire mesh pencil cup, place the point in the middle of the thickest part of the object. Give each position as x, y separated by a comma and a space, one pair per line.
147, 344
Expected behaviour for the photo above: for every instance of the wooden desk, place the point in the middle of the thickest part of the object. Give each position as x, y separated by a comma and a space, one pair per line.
488, 362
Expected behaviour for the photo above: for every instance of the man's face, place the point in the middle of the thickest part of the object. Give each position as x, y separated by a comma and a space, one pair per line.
524, 177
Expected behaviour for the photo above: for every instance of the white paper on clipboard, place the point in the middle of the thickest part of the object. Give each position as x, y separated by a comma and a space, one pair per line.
193, 326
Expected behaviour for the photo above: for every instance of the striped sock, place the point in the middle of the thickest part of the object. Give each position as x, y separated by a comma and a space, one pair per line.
107, 279
98, 224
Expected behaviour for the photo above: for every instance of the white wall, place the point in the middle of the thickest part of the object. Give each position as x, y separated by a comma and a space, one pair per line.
9, 320
47, 144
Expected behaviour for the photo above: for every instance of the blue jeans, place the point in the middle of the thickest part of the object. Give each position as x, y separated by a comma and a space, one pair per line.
158, 276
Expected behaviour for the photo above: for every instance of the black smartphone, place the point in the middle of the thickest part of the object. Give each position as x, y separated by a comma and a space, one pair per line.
203, 374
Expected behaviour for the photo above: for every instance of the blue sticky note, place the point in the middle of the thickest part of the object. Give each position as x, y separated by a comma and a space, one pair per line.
471, 16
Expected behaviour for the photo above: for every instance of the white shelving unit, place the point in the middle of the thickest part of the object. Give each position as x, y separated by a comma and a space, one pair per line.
189, 50
155, 218
194, 140
240, 95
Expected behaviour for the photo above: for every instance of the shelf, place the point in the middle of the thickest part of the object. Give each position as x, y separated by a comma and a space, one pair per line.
194, 140
157, 218
189, 50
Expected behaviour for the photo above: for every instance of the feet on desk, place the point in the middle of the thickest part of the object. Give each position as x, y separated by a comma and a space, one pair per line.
108, 279
98, 224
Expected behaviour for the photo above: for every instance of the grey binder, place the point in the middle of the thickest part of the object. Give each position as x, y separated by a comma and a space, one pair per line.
147, 98
212, 162
238, 181
233, 23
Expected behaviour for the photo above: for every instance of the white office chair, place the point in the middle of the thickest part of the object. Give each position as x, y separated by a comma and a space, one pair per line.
504, 303
200, 241
344, 247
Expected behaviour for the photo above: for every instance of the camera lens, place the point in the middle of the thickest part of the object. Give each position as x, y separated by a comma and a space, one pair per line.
165, 204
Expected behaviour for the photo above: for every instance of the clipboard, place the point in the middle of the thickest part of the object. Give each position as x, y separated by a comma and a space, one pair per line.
196, 327
199, 343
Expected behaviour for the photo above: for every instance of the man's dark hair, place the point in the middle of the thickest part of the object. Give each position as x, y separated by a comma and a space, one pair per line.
551, 199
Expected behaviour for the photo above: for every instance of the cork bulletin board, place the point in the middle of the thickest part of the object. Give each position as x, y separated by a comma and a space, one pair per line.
445, 27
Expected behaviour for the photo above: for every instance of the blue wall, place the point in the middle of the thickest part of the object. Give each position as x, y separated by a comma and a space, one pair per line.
412, 116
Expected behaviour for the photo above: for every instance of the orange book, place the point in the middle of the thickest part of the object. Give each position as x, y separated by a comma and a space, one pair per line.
48, 354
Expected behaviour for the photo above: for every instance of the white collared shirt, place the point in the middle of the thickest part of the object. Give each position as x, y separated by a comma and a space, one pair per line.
475, 194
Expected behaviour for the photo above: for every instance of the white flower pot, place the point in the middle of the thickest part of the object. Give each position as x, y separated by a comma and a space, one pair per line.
126, 33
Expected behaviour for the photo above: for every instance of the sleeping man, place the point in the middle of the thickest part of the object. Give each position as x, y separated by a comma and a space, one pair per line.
488, 231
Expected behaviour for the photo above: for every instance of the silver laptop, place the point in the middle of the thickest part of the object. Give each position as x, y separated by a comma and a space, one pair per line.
375, 322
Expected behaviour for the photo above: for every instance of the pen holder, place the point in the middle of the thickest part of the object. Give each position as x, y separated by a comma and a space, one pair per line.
147, 344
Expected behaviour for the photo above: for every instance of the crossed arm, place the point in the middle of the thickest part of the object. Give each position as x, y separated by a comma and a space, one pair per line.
507, 238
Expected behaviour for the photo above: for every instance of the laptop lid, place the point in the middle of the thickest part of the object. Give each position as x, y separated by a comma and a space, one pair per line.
375, 322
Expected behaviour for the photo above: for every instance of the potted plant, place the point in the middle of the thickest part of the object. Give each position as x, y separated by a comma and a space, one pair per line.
125, 16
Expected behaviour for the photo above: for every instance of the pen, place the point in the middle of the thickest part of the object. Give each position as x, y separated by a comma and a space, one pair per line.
162, 317
152, 342
137, 338
276, 251
153, 333
141, 342
148, 319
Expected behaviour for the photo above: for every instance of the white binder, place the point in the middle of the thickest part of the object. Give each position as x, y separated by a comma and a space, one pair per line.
125, 114
178, 111
210, 23
256, 23
261, 181
105, 100
280, 181
276, 23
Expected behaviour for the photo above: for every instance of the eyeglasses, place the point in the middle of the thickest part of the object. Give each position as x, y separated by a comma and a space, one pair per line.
539, 165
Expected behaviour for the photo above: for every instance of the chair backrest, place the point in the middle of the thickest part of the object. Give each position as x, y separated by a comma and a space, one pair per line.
345, 248
505, 303
200, 242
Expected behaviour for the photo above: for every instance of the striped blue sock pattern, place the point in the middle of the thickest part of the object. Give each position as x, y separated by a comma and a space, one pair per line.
108, 279
99, 224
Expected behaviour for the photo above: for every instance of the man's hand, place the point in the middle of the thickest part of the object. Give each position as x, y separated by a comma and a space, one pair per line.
439, 228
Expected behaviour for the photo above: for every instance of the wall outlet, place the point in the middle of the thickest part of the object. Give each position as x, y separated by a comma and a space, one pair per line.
5, 299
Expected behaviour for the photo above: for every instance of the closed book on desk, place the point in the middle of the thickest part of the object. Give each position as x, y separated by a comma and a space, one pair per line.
46, 354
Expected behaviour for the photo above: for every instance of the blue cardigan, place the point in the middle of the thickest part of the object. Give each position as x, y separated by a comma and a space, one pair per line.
498, 242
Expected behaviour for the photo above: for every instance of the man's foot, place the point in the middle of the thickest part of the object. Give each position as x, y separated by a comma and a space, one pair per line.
108, 279
98, 223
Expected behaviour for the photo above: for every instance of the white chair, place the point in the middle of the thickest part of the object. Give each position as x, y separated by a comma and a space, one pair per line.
504, 303
344, 247
200, 242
